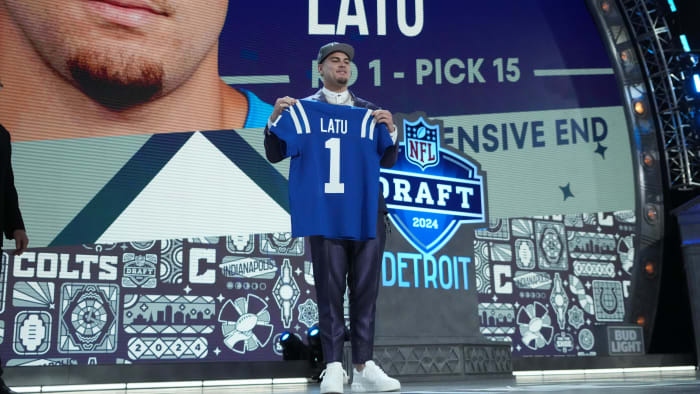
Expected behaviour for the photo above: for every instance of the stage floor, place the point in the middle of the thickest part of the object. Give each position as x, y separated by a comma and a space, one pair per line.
686, 382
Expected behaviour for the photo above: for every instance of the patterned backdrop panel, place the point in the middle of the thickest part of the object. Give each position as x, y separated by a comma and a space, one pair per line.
214, 299
550, 285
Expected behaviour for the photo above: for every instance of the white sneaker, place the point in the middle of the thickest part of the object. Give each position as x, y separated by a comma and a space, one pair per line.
333, 378
373, 379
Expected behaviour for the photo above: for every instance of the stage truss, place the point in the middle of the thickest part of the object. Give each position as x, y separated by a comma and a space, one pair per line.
647, 150
660, 61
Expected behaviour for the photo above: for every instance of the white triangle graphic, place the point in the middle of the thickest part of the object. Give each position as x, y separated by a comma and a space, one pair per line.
198, 193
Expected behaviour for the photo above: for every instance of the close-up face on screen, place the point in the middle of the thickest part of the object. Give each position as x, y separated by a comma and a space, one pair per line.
139, 161
110, 68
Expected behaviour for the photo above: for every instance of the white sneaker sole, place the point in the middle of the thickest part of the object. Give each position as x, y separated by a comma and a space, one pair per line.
360, 388
331, 391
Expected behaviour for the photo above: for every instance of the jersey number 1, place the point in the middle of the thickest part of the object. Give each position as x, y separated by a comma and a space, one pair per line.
334, 186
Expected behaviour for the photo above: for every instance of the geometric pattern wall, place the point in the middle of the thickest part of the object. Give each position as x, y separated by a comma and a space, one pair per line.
213, 299
546, 285
550, 285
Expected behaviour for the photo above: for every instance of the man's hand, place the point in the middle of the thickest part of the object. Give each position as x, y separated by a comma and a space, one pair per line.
281, 104
21, 241
385, 117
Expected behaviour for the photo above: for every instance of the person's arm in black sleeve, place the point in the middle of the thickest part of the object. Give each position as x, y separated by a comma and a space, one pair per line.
13, 223
275, 148
390, 156
13, 217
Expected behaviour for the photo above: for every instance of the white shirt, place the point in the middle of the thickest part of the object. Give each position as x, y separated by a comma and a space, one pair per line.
342, 98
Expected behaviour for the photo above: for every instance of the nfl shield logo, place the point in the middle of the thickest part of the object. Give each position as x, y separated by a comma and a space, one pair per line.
428, 206
422, 143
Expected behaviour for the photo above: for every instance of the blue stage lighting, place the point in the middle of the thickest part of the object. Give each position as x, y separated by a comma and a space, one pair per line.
672, 5
684, 42
315, 348
292, 347
696, 81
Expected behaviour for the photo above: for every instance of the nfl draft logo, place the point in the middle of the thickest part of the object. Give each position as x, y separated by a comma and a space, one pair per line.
422, 143
431, 191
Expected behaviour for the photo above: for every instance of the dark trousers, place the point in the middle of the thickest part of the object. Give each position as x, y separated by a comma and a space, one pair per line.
359, 262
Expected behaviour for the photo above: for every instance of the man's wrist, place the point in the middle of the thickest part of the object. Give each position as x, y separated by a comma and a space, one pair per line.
272, 120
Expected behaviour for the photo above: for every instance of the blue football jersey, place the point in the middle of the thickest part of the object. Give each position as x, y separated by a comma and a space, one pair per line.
334, 171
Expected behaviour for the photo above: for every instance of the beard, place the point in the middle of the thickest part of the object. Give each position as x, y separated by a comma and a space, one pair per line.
116, 83
342, 81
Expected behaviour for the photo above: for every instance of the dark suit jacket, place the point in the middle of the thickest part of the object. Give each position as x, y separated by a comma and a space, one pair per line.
10, 216
276, 149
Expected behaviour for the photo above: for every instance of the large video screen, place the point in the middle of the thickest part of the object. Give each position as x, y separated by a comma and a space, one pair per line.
159, 231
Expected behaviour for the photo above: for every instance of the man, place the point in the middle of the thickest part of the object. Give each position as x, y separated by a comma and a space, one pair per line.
10, 217
80, 68
338, 261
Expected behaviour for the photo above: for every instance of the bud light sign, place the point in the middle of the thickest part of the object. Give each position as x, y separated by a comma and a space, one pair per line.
431, 191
